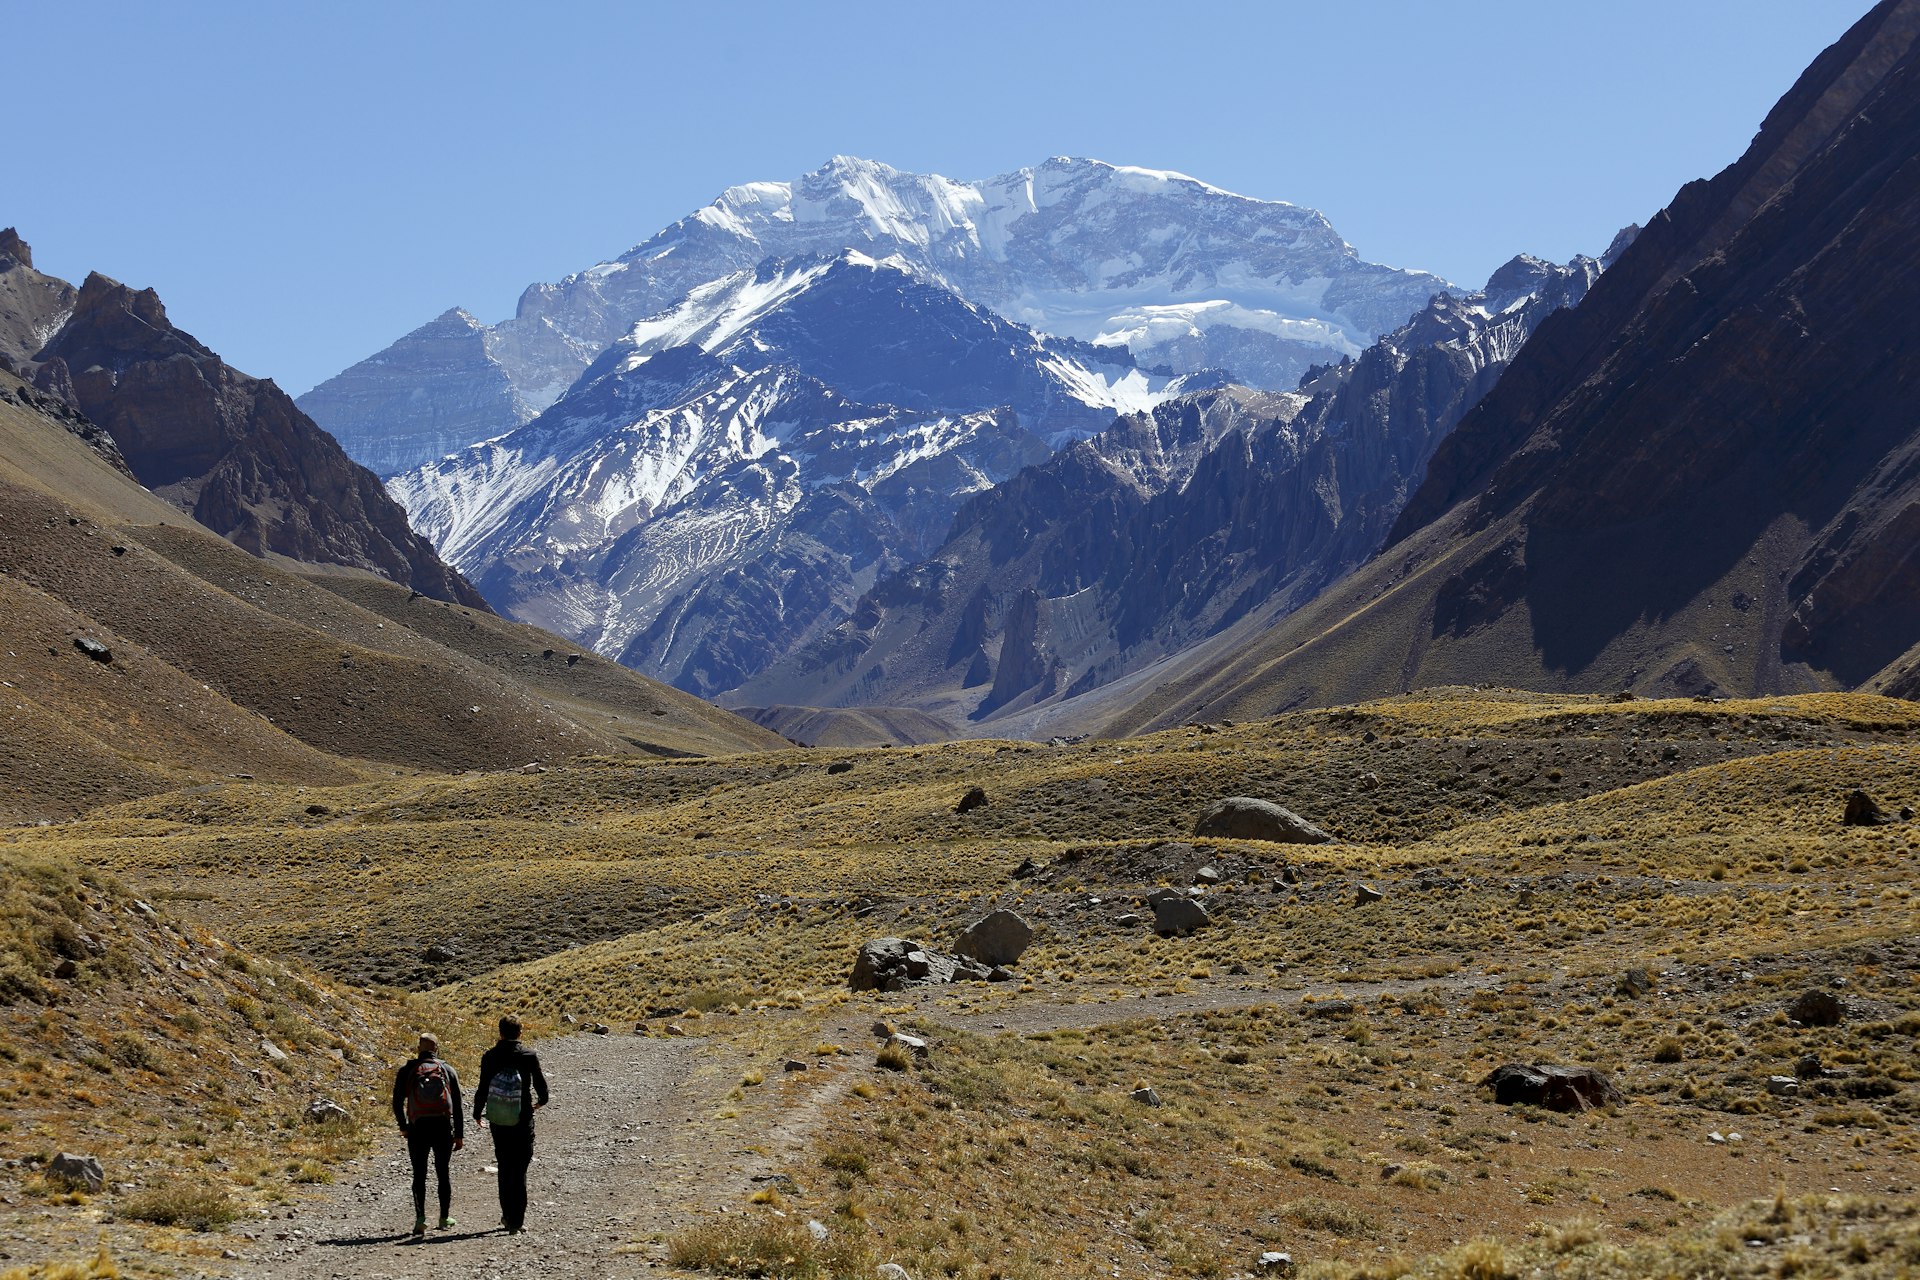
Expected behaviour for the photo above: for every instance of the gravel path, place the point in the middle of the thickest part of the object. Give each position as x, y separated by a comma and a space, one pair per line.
615, 1142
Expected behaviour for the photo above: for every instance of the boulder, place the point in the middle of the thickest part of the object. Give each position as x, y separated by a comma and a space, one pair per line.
1817, 1008
1147, 1095
1634, 983
439, 953
911, 1044
1245, 818
273, 1051
999, 937
1861, 811
93, 649
1366, 893
66, 969
78, 1171
840, 766
1176, 914
1207, 875
974, 799
1555, 1088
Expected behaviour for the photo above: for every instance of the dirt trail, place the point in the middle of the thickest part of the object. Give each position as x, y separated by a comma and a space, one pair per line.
621, 1156
617, 1158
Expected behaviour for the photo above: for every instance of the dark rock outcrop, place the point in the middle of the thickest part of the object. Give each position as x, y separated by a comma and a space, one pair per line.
232, 450
1555, 1088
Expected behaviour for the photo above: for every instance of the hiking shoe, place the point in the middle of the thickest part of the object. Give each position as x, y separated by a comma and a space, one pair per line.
420, 1226
447, 1222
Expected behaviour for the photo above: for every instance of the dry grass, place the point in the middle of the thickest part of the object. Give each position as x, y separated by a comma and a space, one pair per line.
1531, 850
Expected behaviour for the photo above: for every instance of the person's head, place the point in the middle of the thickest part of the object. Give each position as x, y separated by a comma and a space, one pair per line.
429, 1044
509, 1028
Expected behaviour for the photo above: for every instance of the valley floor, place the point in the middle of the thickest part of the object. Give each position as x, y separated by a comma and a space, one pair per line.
1316, 1058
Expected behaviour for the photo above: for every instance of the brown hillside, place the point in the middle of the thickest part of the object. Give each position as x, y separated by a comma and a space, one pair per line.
851, 726
223, 663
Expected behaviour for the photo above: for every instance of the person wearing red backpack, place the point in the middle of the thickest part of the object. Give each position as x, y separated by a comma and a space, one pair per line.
426, 1103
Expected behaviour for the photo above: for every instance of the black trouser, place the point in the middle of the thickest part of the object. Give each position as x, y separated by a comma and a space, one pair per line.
435, 1134
513, 1152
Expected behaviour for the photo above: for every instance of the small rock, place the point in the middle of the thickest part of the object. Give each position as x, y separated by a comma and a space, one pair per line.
78, 1171
1207, 875
1366, 893
93, 649
1129, 919
568, 1020
1028, 868
883, 1029
891, 1271
1147, 1095
273, 1051
1716, 1137
974, 799
675, 1029
1276, 1262
1809, 1067
840, 766
321, 1110
1290, 874
793, 1064
439, 953
66, 969
818, 1230
1328, 1009
912, 1044
1782, 1086
600, 1029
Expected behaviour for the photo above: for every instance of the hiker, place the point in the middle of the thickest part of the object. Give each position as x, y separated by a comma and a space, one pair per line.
426, 1103
511, 1089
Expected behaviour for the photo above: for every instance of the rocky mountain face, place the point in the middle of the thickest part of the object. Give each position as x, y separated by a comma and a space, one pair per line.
1172, 525
1704, 479
726, 479
1182, 274
232, 451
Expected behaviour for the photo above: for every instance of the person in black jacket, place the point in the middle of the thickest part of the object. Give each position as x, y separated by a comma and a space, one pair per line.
426, 1104
511, 1089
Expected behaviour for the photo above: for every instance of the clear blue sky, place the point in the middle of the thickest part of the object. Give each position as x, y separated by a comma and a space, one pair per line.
304, 182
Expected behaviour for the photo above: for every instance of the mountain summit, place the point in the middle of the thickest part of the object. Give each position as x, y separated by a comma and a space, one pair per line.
1181, 274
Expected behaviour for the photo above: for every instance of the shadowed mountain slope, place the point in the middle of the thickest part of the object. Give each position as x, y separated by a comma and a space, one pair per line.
230, 450
1706, 478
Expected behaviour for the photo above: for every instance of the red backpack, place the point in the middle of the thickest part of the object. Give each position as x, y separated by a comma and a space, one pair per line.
429, 1096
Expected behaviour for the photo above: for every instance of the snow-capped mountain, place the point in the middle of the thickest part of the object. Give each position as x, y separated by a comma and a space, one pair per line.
1183, 274
1128, 547
723, 482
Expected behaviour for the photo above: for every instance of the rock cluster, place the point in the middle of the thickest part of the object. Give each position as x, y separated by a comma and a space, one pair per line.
901, 964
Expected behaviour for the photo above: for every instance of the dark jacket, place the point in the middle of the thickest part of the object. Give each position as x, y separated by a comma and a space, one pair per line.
533, 1084
403, 1088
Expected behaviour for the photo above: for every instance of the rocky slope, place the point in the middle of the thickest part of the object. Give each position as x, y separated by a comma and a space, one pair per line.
1182, 273
1701, 480
230, 450
1125, 548
726, 480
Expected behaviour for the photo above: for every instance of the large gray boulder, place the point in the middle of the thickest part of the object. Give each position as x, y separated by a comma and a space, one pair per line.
1176, 913
1246, 818
999, 937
